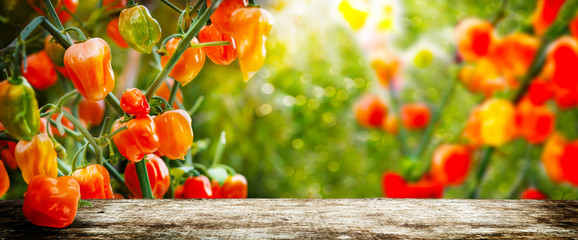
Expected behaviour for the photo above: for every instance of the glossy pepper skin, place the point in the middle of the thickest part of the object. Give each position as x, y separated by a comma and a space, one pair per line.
222, 55
251, 27
51, 202
197, 187
36, 157
133, 101
158, 173
235, 187
190, 63
54, 51
175, 133
19, 113
114, 34
138, 139
222, 16
94, 182
40, 72
216, 188
4, 180
88, 65
91, 112
139, 29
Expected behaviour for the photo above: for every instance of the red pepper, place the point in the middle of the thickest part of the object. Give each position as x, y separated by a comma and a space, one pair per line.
451, 164
197, 187
88, 65
235, 187
415, 115
138, 139
222, 55
91, 112
394, 186
63, 15
221, 18
133, 101
4, 179
532, 193
40, 72
51, 202
114, 34
216, 189
94, 182
370, 111
158, 173
175, 133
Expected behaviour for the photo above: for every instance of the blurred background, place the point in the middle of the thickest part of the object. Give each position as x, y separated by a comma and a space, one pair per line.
291, 130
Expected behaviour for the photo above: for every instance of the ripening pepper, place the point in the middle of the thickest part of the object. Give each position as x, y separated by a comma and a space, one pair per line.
54, 51
4, 179
139, 29
36, 157
158, 173
94, 182
51, 202
133, 101
175, 133
114, 34
19, 113
188, 65
235, 187
138, 139
222, 55
251, 27
89, 67
222, 16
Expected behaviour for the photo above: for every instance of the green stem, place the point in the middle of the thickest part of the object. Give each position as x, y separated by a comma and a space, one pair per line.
172, 6
174, 90
79, 32
74, 134
87, 135
143, 179
481, 171
220, 149
183, 45
60, 38
113, 101
229, 169
196, 106
65, 98
515, 190
52, 14
131, 3
63, 167
396, 107
209, 44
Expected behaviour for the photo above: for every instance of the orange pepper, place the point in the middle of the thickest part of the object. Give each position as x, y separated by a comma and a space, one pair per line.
51, 202
415, 116
4, 179
235, 187
513, 54
91, 112
391, 124
251, 27
88, 65
222, 55
551, 153
222, 16
534, 122
94, 182
175, 133
450, 164
190, 63
36, 157
138, 139
40, 72
370, 111
133, 101
474, 38
158, 173
114, 34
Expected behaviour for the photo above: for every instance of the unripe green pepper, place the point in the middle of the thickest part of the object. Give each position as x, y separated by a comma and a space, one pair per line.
139, 29
19, 113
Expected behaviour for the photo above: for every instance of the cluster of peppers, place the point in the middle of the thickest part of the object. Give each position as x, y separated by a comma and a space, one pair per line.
536, 65
148, 136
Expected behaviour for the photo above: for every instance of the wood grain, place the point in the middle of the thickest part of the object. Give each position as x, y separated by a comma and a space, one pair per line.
306, 219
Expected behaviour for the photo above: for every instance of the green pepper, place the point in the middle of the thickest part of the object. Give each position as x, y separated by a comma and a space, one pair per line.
139, 29
19, 112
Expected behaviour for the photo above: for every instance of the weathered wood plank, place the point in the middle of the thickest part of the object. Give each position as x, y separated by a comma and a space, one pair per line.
306, 219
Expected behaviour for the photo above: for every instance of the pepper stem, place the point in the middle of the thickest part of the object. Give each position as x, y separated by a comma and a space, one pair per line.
143, 179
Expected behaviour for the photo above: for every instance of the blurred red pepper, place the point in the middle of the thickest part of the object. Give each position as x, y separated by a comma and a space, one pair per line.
4, 179
138, 139
215, 188
222, 55
63, 15
36, 157
54, 51
551, 154
569, 163
535, 123
451, 164
513, 54
158, 173
51, 202
222, 16
114, 4
114, 34
7, 149
540, 91
370, 111
175, 133
532, 193
197, 187
474, 38
235, 187
133, 101
40, 72
94, 182
415, 116
394, 186
545, 14
91, 112
179, 192
88, 64
190, 63
251, 27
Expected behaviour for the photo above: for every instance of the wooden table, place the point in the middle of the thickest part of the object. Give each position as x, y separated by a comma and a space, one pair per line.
305, 219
